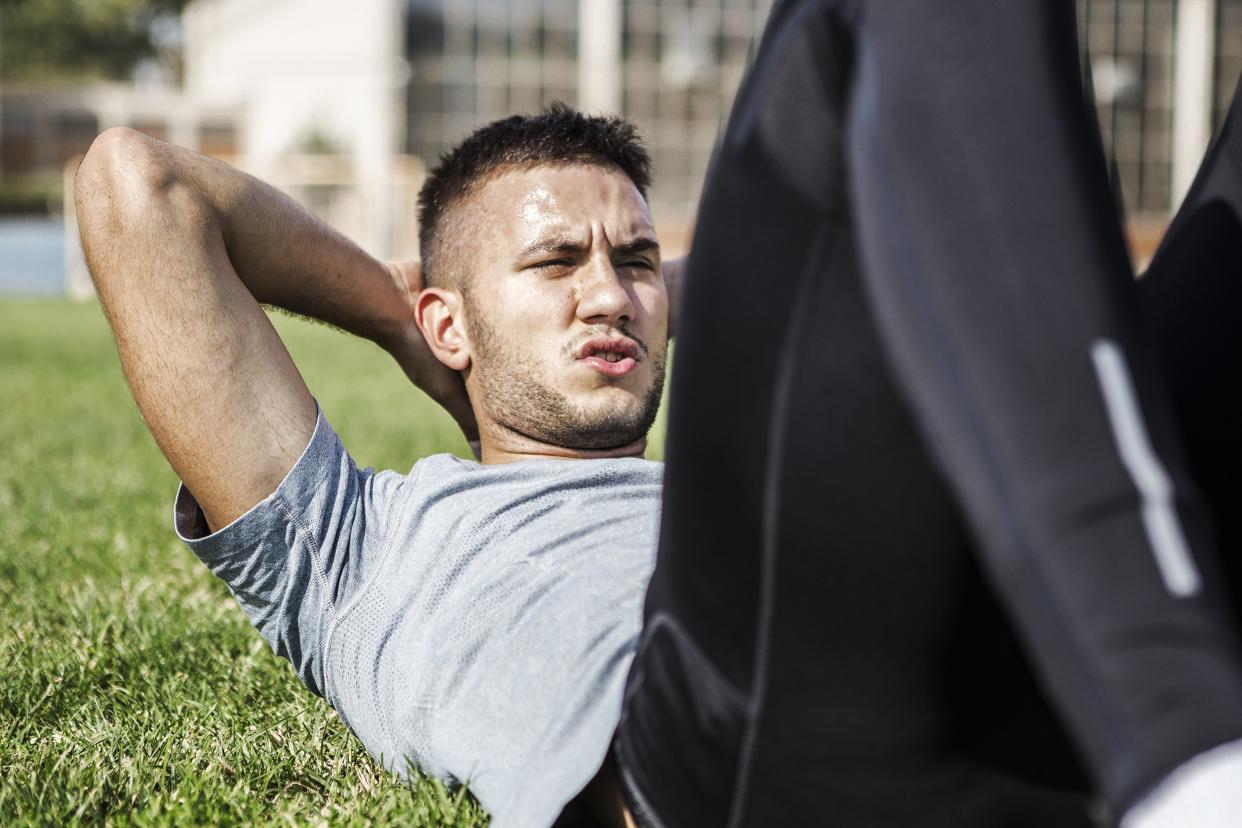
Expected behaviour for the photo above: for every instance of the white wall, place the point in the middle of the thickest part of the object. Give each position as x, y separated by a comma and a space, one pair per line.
298, 66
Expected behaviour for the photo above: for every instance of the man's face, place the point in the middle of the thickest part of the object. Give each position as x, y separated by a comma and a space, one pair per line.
566, 310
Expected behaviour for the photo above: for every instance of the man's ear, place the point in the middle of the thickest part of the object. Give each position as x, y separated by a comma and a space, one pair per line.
439, 314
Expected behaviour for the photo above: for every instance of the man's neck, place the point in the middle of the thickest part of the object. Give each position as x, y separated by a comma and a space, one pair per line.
506, 446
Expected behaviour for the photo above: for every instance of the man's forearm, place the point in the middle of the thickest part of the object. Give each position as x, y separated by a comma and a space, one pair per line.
283, 255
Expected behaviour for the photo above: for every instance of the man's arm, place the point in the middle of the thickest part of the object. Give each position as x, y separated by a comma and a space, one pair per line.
183, 250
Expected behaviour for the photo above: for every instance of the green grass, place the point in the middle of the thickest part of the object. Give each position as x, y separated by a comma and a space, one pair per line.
132, 690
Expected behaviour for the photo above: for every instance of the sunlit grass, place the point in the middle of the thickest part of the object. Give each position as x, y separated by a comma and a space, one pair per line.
132, 690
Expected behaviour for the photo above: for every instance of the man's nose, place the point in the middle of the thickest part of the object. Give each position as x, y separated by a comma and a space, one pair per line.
603, 295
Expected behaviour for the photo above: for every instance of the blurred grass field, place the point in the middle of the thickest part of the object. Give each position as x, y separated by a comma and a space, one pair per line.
132, 690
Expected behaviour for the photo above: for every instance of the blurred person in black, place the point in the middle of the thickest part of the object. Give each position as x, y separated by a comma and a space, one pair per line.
945, 489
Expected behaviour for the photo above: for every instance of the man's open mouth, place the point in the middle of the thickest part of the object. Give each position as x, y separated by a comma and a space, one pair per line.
611, 357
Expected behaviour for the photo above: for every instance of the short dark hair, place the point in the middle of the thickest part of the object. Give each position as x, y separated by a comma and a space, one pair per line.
558, 135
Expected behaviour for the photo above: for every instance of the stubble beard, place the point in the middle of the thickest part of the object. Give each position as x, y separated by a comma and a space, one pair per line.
522, 402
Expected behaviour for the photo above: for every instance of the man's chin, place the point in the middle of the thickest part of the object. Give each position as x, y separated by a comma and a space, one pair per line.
577, 414
590, 381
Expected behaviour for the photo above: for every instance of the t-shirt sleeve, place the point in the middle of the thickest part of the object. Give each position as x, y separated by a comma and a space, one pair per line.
298, 554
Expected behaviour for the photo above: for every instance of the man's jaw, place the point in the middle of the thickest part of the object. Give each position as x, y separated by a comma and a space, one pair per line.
517, 434
503, 440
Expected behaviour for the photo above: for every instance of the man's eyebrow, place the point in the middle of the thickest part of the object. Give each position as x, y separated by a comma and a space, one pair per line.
568, 244
555, 244
642, 244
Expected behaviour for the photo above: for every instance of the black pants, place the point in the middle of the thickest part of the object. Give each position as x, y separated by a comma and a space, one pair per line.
938, 545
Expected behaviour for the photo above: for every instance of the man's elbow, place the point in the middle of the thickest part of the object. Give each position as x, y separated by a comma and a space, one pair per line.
122, 173
127, 184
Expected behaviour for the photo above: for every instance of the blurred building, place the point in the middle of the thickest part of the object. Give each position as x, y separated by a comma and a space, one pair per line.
679, 63
319, 89
328, 100
44, 126
413, 77
1164, 72
1131, 46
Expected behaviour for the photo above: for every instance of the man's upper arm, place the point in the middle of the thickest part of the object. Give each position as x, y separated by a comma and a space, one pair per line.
300, 556
212, 379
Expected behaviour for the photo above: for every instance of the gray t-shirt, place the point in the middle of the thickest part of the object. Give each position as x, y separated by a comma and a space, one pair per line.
476, 620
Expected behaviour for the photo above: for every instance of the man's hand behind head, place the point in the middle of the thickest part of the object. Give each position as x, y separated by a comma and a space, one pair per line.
437, 380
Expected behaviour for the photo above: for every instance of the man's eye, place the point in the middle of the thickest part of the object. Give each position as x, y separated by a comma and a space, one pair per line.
643, 263
554, 263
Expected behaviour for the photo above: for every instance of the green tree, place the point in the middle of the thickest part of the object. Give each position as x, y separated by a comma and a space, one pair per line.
77, 39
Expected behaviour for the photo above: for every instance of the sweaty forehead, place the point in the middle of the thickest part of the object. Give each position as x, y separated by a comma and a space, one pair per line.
521, 206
